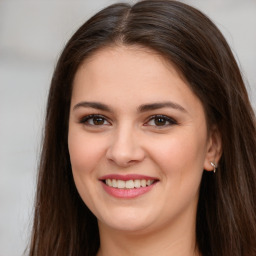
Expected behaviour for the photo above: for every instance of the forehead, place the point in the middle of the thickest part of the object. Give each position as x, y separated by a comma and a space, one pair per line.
130, 72
135, 60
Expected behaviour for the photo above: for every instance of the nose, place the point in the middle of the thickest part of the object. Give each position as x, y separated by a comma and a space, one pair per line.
125, 148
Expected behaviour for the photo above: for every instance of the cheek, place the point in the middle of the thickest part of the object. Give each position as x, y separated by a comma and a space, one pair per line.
85, 156
183, 153
181, 160
85, 152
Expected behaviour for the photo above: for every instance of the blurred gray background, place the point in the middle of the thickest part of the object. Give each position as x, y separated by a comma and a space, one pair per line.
32, 35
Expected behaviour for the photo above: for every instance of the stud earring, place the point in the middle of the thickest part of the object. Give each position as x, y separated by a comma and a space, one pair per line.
214, 165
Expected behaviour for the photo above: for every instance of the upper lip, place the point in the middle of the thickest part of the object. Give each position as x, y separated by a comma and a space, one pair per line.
127, 177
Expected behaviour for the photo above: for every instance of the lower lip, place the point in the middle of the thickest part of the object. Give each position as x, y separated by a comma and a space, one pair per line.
127, 193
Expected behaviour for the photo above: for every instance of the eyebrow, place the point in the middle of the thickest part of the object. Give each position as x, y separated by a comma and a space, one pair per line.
142, 108
96, 105
158, 105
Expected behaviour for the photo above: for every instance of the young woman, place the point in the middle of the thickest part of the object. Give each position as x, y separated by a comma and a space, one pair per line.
149, 145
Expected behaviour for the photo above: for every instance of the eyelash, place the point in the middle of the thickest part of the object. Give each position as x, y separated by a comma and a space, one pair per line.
170, 121
85, 120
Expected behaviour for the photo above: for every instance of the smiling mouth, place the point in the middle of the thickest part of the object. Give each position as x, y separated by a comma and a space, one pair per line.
128, 184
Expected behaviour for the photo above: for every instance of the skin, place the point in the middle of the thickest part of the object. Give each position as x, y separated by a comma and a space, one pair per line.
130, 141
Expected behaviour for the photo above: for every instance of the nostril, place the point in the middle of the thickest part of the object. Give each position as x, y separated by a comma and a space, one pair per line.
125, 151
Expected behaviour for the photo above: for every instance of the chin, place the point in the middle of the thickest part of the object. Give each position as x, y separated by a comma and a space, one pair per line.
126, 222
128, 227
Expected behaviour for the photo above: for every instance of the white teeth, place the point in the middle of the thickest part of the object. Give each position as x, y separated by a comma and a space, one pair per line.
143, 183
128, 184
114, 183
137, 183
120, 183
109, 182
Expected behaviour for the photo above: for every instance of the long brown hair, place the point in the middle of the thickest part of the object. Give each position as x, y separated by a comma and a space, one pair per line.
226, 218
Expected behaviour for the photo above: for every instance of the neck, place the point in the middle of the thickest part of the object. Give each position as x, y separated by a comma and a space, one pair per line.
176, 240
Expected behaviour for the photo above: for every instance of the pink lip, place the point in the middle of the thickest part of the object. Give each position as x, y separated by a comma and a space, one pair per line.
127, 193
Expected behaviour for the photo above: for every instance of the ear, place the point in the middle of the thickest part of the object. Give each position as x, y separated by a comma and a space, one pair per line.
214, 149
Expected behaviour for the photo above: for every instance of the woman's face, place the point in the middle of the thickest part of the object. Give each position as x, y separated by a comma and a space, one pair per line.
137, 139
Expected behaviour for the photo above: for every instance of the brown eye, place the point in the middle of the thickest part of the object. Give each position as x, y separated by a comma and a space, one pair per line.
160, 121
98, 120
94, 120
